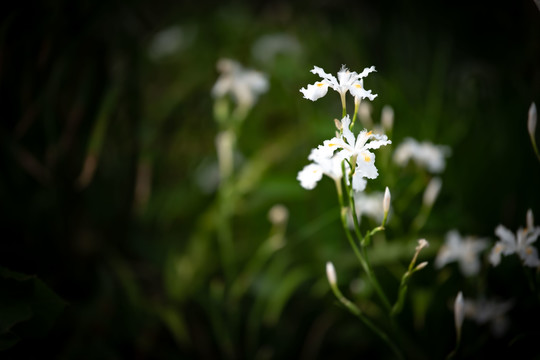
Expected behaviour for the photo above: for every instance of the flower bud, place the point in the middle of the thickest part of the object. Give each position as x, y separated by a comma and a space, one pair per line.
421, 266
331, 274
530, 220
432, 191
387, 118
386, 201
531, 124
459, 313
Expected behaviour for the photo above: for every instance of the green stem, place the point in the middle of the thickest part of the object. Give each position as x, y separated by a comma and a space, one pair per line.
372, 326
533, 142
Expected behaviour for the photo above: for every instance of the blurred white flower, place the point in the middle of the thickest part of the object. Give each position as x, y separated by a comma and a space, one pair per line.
521, 243
346, 81
488, 311
425, 154
267, 47
463, 250
169, 41
278, 214
244, 85
370, 205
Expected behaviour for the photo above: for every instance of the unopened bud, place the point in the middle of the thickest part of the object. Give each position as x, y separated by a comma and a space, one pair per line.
421, 266
422, 243
387, 118
459, 313
432, 191
531, 124
338, 124
331, 274
386, 201
530, 220
278, 214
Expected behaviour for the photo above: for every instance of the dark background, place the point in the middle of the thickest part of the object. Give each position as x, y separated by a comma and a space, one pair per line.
457, 73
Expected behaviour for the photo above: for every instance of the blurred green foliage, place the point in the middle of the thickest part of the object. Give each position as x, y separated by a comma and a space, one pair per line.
105, 145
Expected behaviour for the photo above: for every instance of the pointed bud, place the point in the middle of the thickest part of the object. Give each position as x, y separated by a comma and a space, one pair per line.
386, 201
459, 314
531, 124
338, 124
278, 215
432, 191
421, 266
331, 274
387, 118
530, 220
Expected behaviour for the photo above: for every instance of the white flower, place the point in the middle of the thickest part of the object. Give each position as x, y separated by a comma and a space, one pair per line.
488, 311
356, 151
463, 250
269, 46
327, 158
425, 154
521, 243
242, 84
346, 81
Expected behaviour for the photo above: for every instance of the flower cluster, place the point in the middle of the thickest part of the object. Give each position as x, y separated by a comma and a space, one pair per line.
359, 161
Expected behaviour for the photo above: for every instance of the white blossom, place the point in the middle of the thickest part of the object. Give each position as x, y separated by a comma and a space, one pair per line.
244, 85
425, 154
463, 250
346, 81
488, 311
327, 158
521, 243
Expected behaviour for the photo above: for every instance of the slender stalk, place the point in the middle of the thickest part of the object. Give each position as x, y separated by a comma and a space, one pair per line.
372, 326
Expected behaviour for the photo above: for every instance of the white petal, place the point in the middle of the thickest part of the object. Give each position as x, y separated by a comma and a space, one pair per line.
366, 71
507, 238
309, 176
358, 182
315, 91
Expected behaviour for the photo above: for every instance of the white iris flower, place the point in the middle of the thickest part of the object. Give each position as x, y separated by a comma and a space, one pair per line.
346, 81
521, 243
463, 250
327, 158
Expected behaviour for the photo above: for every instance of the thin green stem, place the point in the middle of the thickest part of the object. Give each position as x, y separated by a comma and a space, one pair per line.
372, 326
533, 142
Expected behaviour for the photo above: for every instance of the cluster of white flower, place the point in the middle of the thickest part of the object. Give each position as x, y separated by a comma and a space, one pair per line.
425, 154
346, 81
327, 159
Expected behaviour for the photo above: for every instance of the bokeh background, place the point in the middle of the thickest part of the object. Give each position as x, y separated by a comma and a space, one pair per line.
107, 170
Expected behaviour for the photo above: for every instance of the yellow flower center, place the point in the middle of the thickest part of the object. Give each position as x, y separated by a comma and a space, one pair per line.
319, 84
